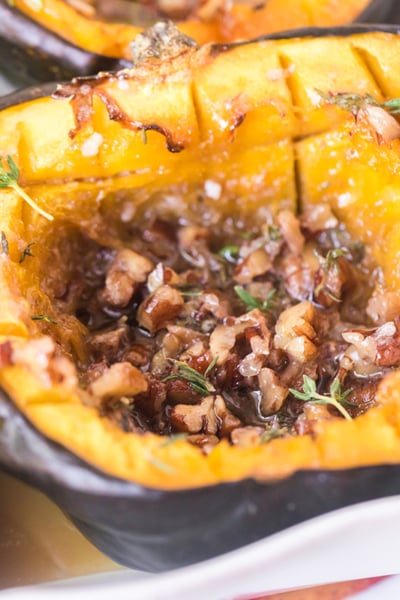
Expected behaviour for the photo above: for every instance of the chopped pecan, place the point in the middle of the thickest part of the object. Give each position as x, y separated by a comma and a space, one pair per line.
273, 393
160, 308
109, 343
295, 333
318, 217
255, 264
195, 419
290, 229
121, 379
162, 275
210, 416
245, 437
127, 270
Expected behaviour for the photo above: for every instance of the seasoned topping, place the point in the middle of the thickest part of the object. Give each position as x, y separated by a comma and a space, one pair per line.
160, 308
126, 270
237, 331
295, 333
273, 393
121, 379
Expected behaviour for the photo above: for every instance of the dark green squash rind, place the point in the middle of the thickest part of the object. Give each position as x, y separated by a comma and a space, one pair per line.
158, 530
30, 53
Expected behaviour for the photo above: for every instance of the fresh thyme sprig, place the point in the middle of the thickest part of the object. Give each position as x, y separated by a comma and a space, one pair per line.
331, 259
336, 397
26, 252
230, 253
274, 233
9, 179
45, 318
251, 302
198, 382
356, 102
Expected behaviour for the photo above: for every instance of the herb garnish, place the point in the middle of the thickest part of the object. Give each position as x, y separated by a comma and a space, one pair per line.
198, 382
4, 243
274, 233
9, 179
251, 302
336, 397
332, 258
230, 253
45, 318
356, 102
26, 252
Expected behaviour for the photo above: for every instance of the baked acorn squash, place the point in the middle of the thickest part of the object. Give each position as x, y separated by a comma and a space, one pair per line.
204, 144
52, 40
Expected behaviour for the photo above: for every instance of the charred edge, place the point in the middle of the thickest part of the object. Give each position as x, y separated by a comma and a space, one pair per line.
115, 113
172, 146
216, 50
237, 121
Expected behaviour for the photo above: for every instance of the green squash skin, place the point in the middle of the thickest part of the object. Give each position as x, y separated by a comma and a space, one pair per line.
29, 53
155, 530
158, 530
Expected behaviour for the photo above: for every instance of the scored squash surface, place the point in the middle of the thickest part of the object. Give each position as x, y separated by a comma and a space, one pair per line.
265, 135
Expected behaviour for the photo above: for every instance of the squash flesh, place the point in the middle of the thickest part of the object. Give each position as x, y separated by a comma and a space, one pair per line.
368, 176
237, 23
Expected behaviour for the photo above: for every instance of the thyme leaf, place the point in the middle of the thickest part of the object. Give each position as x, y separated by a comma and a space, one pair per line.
251, 302
45, 318
229, 253
9, 179
26, 252
274, 233
211, 366
356, 102
336, 396
331, 259
196, 380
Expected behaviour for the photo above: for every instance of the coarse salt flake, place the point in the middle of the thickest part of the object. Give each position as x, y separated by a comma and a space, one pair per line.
90, 147
213, 189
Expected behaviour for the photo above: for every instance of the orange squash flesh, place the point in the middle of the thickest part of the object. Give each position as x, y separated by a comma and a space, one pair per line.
267, 140
239, 22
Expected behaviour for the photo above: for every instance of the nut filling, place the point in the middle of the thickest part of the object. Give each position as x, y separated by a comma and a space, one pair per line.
229, 331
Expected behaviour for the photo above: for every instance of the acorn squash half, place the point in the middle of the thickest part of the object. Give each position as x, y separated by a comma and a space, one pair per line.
240, 130
52, 40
